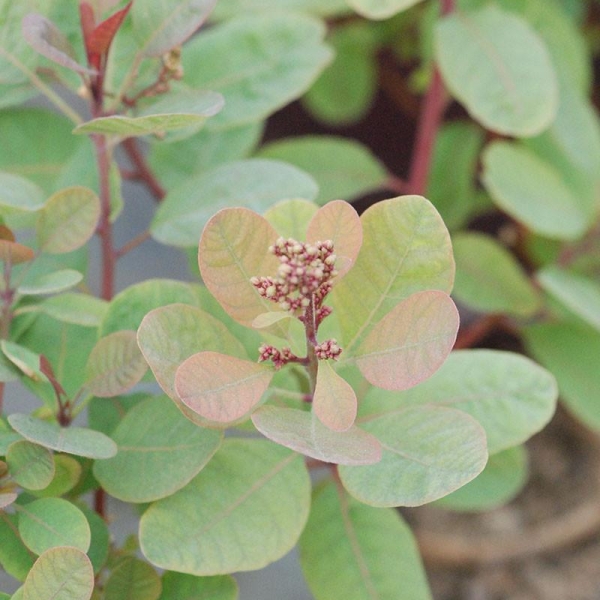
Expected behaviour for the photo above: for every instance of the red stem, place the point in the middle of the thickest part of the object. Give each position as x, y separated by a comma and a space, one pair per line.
143, 171
430, 119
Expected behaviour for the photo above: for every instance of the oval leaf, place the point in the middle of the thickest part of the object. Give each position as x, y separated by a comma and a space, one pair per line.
115, 365
160, 26
339, 222
303, 432
180, 585
13, 253
349, 550
411, 342
78, 309
234, 248
7, 498
428, 452
132, 579
334, 400
51, 283
380, 9
532, 191
252, 183
515, 91
255, 518
68, 220
151, 434
71, 440
30, 465
51, 522
221, 389
406, 249
19, 193
60, 574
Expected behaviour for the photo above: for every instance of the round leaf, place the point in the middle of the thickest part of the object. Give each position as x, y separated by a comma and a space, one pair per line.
252, 183
352, 551
303, 432
245, 510
428, 452
410, 343
30, 465
380, 9
132, 579
60, 574
68, 220
334, 400
67, 472
71, 440
51, 522
115, 365
180, 585
515, 91
221, 389
152, 434
51, 283
19, 193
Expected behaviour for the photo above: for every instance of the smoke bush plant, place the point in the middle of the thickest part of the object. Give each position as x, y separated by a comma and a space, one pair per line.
321, 339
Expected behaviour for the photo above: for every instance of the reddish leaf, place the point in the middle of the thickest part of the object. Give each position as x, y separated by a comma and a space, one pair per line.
334, 400
14, 253
411, 342
339, 222
222, 389
6, 234
44, 37
88, 24
102, 36
302, 431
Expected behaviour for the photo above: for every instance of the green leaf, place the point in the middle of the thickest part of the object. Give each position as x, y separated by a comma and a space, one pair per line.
489, 278
189, 109
253, 183
67, 472
115, 365
68, 220
30, 465
410, 343
51, 522
380, 9
51, 283
571, 353
290, 218
303, 432
132, 579
334, 400
488, 385
226, 9
233, 249
532, 191
502, 479
16, 559
222, 389
25, 360
77, 309
151, 435
173, 162
179, 585
515, 91
244, 510
344, 92
406, 248
43, 161
457, 148
60, 574
160, 26
579, 294
104, 414
343, 168
259, 63
16, 192
71, 440
171, 334
428, 452
338, 222
101, 539
356, 552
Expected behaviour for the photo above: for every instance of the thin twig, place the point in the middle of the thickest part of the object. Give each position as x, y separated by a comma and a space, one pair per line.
133, 243
144, 173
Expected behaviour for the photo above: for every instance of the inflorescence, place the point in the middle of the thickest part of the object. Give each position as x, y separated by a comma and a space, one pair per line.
302, 282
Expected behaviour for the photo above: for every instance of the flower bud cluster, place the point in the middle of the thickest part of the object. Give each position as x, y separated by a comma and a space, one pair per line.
328, 349
305, 269
278, 357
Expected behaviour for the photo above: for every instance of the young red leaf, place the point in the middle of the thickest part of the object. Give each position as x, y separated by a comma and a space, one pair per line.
339, 222
233, 248
334, 400
411, 342
15, 253
303, 432
44, 37
102, 36
222, 389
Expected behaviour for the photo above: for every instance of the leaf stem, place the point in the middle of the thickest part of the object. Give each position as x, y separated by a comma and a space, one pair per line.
143, 171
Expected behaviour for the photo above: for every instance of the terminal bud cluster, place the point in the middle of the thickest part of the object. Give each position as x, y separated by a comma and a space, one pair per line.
302, 282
